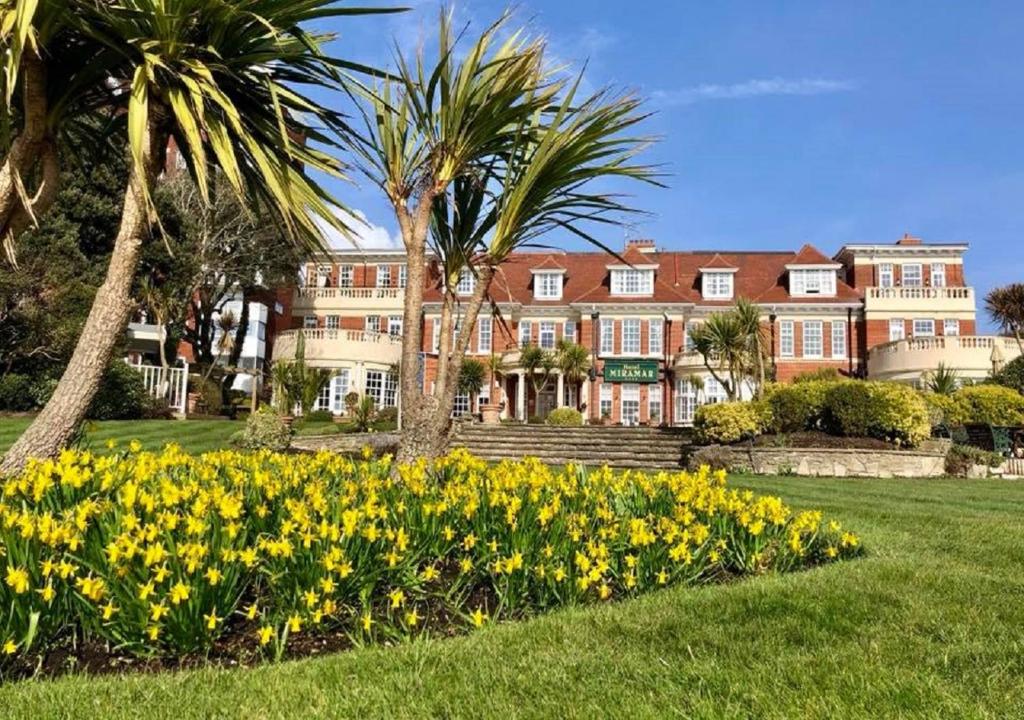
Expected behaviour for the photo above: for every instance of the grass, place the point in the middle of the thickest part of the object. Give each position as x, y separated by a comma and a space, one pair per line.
928, 625
195, 436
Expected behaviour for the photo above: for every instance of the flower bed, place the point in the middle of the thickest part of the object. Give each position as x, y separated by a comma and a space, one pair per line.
169, 554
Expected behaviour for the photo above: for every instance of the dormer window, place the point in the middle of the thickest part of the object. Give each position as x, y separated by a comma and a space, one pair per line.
812, 281
632, 281
467, 282
547, 285
717, 284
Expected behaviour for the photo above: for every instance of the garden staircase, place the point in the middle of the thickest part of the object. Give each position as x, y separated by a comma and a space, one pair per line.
621, 447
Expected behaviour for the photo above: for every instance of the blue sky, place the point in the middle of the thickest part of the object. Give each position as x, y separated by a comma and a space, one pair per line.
786, 123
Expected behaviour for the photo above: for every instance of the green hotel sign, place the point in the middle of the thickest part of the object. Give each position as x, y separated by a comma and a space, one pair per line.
631, 371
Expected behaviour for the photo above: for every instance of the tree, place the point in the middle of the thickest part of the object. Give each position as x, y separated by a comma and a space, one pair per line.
723, 343
489, 154
573, 361
227, 83
759, 344
496, 368
538, 365
1006, 306
472, 376
943, 380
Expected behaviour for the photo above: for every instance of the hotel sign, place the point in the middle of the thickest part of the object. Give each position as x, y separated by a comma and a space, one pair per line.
631, 371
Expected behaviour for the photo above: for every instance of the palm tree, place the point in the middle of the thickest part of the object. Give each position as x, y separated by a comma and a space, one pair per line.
749, 317
538, 364
496, 367
490, 155
227, 81
1006, 306
573, 361
943, 380
472, 376
724, 343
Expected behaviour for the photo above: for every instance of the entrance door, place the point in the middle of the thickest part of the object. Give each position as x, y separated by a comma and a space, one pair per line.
546, 402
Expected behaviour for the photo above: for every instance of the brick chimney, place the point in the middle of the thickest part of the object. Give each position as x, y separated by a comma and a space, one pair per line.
908, 239
644, 245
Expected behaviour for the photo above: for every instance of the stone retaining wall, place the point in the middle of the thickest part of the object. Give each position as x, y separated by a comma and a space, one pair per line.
347, 443
823, 462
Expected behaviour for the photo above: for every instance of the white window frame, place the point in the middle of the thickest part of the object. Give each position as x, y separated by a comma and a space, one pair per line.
713, 393
629, 396
383, 276
839, 340
606, 400
467, 282
923, 327
919, 281
462, 404
717, 285
546, 334
787, 338
395, 325
346, 274
435, 335
813, 332
403, 275
339, 389
382, 386
547, 285
309, 322
632, 282
812, 281
688, 336
655, 336
323, 398
607, 340
886, 275
631, 337
569, 331
332, 322
951, 323
372, 323
323, 276
484, 334
897, 329
655, 411
938, 274
685, 401
525, 333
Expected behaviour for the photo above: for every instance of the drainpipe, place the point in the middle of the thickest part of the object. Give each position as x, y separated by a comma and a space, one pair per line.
771, 321
666, 388
849, 339
595, 339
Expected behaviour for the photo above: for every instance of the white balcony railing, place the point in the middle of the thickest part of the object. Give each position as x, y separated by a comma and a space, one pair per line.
920, 293
330, 293
972, 356
326, 346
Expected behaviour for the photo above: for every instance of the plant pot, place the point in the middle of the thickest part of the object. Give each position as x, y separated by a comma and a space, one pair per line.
192, 402
490, 414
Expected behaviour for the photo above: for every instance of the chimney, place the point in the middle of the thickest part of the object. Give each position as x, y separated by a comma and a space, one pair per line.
644, 245
908, 239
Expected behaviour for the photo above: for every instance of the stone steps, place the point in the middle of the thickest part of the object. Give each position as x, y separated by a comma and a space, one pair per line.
651, 448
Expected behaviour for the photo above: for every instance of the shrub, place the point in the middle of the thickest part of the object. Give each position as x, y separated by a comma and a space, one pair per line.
898, 414
256, 549
363, 414
848, 409
827, 374
943, 410
714, 457
989, 405
319, 416
387, 416
565, 417
42, 390
727, 423
264, 429
961, 459
798, 407
1011, 376
121, 394
16, 393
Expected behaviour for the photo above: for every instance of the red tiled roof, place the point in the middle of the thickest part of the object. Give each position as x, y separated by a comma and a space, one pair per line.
549, 263
761, 276
810, 255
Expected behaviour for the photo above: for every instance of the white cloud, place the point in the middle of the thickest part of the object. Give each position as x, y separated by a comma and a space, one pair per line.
752, 88
365, 234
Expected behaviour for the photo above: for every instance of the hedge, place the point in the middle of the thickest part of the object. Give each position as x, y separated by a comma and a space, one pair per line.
726, 423
987, 405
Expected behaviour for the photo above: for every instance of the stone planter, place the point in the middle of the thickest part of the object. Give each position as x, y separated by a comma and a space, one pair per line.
490, 414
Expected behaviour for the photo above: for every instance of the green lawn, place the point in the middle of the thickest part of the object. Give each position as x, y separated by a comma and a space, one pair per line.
196, 436
930, 624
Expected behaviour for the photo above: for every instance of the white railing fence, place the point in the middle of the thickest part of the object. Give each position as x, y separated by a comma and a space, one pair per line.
170, 384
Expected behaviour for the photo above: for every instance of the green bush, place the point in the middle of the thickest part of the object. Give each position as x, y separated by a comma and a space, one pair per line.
827, 374
988, 405
848, 409
798, 407
121, 395
714, 457
942, 409
897, 414
16, 393
960, 459
387, 416
565, 417
1011, 376
319, 416
264, 429
726, 423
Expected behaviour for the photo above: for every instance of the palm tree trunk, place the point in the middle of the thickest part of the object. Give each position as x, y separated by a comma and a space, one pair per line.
58, 422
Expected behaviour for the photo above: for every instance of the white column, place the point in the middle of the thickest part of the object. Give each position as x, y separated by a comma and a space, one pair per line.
521, 396
560, 389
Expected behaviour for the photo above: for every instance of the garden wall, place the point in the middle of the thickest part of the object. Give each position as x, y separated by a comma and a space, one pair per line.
821, 462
